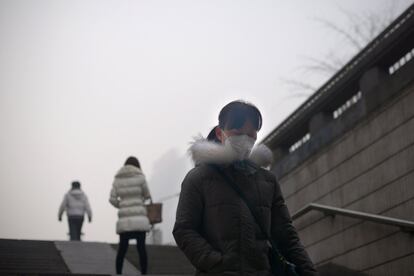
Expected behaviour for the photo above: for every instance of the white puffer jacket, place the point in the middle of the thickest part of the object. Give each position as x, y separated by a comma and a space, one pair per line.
75, 203
129, 191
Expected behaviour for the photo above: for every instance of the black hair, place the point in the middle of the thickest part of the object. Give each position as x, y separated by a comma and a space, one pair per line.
212, 135
133, 161
76, 185
235, 114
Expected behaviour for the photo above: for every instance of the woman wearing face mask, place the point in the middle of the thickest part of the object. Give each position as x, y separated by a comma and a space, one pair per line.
214, 227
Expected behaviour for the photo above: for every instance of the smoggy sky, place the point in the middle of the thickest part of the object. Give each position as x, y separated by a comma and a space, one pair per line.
84, 84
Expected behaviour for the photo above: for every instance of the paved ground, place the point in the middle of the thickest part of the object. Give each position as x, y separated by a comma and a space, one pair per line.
91, 258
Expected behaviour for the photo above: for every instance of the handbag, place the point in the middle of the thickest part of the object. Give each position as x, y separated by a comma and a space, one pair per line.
154, 212
278, 264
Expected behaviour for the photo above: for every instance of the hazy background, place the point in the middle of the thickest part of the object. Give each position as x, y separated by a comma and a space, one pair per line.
85, 84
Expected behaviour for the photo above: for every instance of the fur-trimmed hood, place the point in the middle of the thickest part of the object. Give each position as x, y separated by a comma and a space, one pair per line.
204, 151
128, 171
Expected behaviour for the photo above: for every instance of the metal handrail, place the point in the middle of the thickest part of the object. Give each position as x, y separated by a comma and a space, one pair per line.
405, 225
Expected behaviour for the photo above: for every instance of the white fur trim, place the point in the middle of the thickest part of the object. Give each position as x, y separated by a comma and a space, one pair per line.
204, 151
128, 171
261, 155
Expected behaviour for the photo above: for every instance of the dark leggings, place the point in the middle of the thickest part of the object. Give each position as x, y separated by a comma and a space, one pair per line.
123, 247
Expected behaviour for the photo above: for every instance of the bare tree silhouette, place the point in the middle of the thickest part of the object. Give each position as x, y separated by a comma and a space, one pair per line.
357, 31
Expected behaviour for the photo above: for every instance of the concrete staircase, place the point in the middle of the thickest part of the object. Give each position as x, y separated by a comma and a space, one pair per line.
30, 257
55, 258
169, 259
163, 260
91, 257
27, 257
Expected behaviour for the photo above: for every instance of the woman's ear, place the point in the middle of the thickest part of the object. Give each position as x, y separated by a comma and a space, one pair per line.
219, 134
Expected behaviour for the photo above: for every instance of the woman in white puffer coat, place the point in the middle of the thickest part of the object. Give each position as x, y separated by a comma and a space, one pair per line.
129, 192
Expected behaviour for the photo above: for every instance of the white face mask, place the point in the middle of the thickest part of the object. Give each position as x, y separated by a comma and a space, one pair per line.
241, 145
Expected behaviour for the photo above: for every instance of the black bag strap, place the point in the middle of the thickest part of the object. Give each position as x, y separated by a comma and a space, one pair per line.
237, 189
